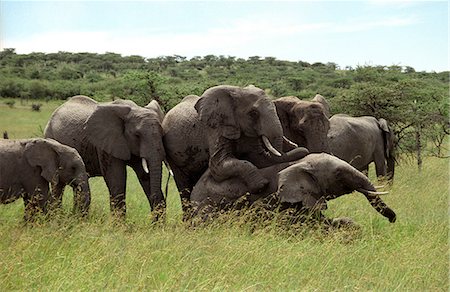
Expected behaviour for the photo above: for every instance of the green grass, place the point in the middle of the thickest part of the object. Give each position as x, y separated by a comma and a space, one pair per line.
98, 253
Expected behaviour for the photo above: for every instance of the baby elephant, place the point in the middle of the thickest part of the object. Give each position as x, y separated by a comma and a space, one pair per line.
28, 166
306, 184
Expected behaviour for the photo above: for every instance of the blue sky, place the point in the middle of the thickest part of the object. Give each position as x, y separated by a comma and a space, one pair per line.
350, 33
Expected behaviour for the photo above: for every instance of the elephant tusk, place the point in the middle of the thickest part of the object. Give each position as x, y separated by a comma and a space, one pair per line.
270, 147
372, 192
168, 168
290, 142
380, 187
144, 165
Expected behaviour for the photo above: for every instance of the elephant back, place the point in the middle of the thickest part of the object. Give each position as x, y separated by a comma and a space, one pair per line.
184, 136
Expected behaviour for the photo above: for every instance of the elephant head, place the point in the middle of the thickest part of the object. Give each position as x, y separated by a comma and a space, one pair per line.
232, 112
304, 122
124, 130
321, 177
60, 165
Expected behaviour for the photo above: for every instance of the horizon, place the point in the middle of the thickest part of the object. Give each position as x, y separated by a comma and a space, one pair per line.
349, 34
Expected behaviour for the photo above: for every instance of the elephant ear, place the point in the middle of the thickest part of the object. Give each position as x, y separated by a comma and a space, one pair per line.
284, 106
105, 129
326, 107
154, 106
216, 108
40, 153
382, 123
296, 184
388, 137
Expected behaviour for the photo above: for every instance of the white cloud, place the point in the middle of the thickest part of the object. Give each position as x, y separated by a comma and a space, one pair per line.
242, 37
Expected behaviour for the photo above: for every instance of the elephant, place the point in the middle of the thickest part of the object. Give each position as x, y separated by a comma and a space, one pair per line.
362, 140
233, 131
110, 136
28, 166
304, 122
305, 185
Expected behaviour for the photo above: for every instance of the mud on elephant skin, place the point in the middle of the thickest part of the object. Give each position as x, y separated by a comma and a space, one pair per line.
208, 131
362, 140
304, 122
27, 168
305, 185
110, 136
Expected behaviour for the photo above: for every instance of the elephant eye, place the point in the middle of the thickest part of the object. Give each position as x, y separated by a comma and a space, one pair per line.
254, 114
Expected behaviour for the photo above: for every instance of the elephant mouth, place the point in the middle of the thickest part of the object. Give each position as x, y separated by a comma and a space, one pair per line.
270, 147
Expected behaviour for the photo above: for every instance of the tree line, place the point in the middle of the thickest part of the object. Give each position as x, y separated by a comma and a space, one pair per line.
415, 103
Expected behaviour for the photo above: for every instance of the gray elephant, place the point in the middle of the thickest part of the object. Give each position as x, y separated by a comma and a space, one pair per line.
110, 136
362, 140
28, 166
304, 122
229, 129
305, 185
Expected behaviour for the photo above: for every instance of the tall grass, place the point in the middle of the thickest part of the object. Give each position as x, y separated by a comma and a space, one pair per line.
99, 253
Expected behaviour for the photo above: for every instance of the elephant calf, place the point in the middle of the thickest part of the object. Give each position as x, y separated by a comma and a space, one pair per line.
27, 167
306, 184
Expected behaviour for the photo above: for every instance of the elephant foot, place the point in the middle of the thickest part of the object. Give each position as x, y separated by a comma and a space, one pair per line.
159, 213
343, 222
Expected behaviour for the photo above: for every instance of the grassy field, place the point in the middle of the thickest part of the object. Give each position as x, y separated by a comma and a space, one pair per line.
97, 254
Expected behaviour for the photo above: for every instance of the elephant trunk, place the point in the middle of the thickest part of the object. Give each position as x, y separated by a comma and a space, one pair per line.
317, 141
381, 207
152, 156
356, 180
272, 137
156, 199
82, 195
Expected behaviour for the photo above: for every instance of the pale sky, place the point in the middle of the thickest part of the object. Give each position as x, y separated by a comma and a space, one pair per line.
350, 33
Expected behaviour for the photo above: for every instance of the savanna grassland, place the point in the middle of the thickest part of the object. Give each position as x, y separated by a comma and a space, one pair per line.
101, 254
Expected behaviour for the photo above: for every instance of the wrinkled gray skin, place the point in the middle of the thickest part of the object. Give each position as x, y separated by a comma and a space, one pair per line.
222, 130
304, 123
28, 166
305, 184
362, 140
110, 136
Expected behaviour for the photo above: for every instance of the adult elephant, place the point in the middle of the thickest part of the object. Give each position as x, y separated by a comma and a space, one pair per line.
304, 122
110, 136
304, 185
28, 166
216, 131
362, 140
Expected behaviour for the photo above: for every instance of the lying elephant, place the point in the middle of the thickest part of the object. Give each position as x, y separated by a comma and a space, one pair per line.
306, 184
28, 166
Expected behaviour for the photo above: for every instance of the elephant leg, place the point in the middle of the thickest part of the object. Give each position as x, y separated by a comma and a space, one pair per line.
380, 167
365, 170
115, 176
35, 199
56, 196
184, 186
156, 201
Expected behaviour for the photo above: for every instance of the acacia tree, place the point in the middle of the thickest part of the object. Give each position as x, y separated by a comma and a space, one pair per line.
417, 109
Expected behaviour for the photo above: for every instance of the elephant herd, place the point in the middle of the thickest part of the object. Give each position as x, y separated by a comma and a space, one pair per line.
228, 144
